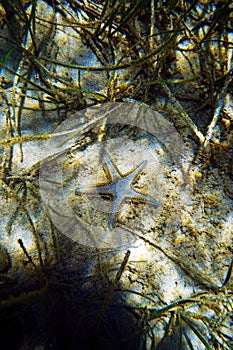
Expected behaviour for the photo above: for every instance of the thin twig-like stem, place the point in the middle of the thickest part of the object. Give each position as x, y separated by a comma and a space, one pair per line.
220, 105
183, 114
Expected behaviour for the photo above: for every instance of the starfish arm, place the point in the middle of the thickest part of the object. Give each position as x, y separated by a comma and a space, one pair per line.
115, 208
111, 168
95, 191
106, 189
85, 190
137, 171
141, 197
146, 198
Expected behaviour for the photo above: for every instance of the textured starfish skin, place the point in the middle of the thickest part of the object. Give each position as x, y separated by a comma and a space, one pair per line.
120, 188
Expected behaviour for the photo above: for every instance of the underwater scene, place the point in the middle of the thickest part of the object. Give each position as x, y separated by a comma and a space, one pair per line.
116, 175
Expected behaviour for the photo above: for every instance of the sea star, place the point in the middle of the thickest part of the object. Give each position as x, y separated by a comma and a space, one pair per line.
120, 188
